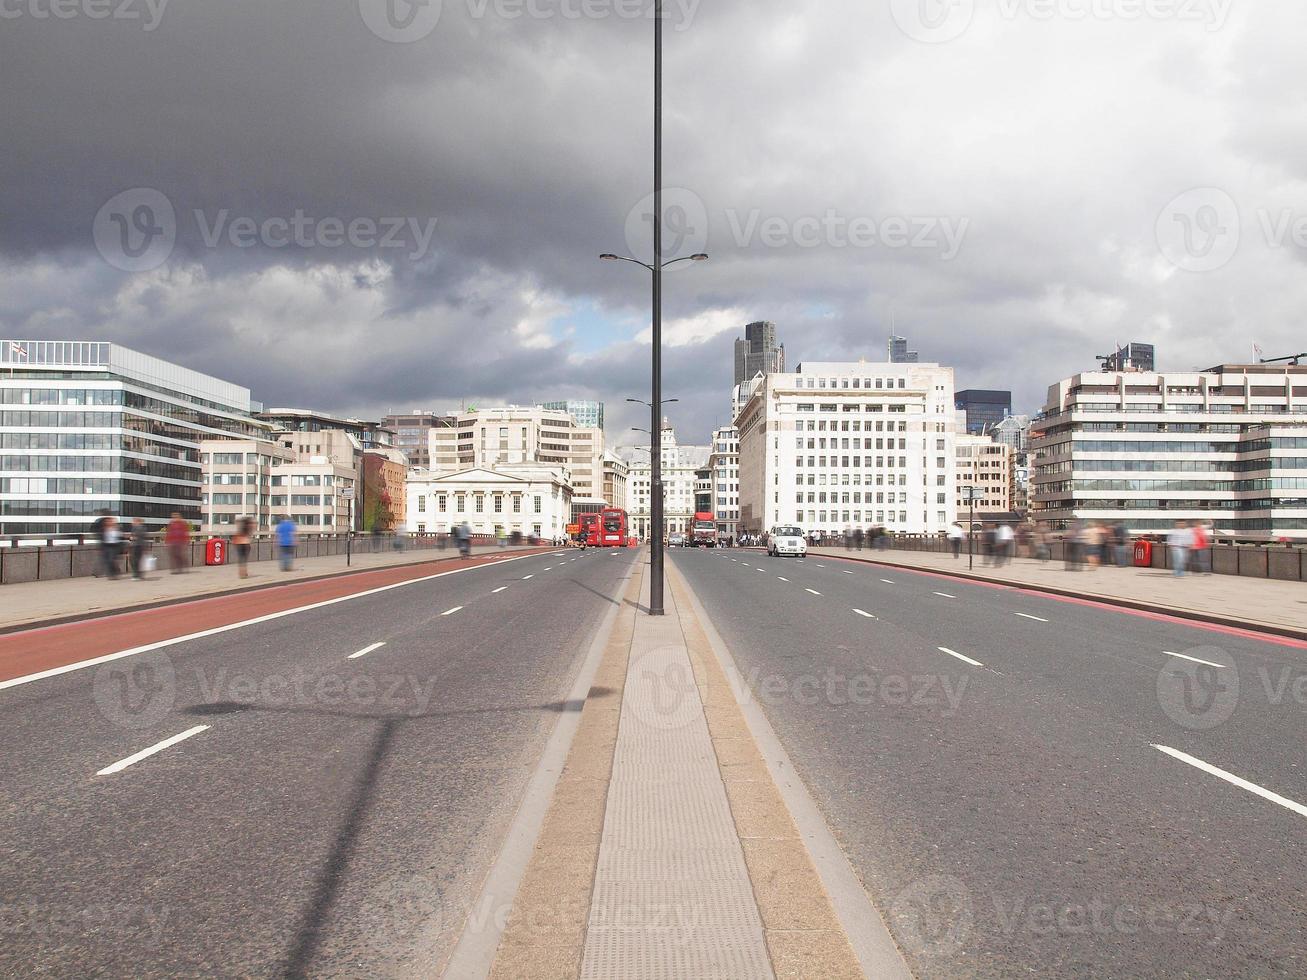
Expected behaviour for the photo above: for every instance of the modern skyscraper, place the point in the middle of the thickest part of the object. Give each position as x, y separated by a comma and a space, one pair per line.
898, 351
758, 352
985, 408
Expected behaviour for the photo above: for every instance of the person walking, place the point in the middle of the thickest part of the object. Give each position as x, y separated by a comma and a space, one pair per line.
464, 540
140, 547
99, 527
1201, 556
285, 533
1004, 537
955, 539
1178, 542
111, 540
241, 542
177, 537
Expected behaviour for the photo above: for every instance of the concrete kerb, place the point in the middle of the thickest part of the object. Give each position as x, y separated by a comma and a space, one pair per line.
1178, 612
529, 920
818, 917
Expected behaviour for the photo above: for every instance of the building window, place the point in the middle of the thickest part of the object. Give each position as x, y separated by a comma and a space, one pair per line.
422, 504
537, 505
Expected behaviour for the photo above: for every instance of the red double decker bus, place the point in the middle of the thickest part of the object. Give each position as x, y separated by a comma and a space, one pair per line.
590, 536
612, 527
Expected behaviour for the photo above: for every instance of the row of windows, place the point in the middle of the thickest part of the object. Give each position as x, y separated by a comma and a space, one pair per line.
61, 396
1173, 466
124, 509
858, 498
885, 517
93, 441
1264, 503
896, 409
850, 382
103, 486
98, 464
479, 503
857, 461
1226, 486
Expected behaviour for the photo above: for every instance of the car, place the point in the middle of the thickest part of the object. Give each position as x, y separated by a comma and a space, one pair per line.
786, 539
676, 540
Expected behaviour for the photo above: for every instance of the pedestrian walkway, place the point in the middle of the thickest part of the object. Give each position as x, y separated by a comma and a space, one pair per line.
37, 602
1255, 601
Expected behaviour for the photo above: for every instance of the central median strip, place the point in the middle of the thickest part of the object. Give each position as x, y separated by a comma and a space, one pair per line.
131, 760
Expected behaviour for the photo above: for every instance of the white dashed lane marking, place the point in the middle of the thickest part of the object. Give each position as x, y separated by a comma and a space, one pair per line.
946, 595
1185, 656
366, 650
813, 591
450, 612
131, 760
782, 578
962, 657
863, 612
1233, 780
1038, 619
499, 590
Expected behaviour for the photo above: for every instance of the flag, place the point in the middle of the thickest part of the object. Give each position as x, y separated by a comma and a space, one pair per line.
1257, 351
17, 348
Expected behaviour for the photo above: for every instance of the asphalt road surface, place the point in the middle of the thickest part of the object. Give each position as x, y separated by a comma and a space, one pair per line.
316, 804
1032, 786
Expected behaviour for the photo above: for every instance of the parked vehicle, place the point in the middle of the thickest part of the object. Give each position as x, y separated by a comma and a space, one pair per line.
676, 540
786, 539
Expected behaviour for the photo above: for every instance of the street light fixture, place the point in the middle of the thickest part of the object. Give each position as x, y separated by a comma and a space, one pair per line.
656, 269
969, 494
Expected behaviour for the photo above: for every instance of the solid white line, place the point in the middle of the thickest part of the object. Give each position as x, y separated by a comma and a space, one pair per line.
946, 595
1038, 619
268, 617
131, 760
450, 612
863, 612
1185, 656
813, 591
954, 653
782, 578
499, 590
1231, 778
366, 650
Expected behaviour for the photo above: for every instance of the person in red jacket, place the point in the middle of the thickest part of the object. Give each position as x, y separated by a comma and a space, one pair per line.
177, 538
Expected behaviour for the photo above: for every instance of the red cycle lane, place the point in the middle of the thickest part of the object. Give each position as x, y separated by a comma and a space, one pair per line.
50, 647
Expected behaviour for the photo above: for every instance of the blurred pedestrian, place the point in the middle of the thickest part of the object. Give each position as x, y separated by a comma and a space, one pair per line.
501, 538
1004, 537
177, 538
140, 547
285, 533
859, 536
465, 540
1201, 554
107, 555
1178, 542
1092, 543
955, 536
241, 542
111, 543
1121, 544
1071, 543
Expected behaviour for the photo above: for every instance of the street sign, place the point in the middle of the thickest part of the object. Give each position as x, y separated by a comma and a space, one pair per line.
347, 493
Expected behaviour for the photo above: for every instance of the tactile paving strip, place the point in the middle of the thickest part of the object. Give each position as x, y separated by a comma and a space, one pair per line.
672, 896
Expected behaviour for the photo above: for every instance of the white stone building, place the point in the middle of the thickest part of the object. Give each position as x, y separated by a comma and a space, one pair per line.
1227, 445
515, 497
842, 444
263, 479
724, 462
985, 464
679, 464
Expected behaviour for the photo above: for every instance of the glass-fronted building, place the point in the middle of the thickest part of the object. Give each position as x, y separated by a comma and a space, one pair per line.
588, 414
88, 426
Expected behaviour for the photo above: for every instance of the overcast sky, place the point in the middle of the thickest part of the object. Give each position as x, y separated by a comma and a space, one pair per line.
358, 208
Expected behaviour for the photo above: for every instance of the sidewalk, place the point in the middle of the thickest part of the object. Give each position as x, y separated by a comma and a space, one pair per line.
1228, 599
668, 850
40, 602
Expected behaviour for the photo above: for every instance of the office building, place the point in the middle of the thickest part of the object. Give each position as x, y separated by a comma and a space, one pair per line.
724, 461
617, 473
758, 352
1013, 431
984, 408
679, 465
1227, 445
1131, 357
845, 444
87, 426
517, 498
588, 414
986, 465
488, 438
898, 353
305, 422
412, 434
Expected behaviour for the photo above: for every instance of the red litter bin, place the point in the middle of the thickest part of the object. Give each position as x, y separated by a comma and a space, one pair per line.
1143, 554
215, 552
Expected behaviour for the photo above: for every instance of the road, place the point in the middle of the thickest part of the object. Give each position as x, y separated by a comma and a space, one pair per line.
317, 793
1029, 785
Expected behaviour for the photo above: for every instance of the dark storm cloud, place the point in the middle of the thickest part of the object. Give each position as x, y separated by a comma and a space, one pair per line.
1028, 160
